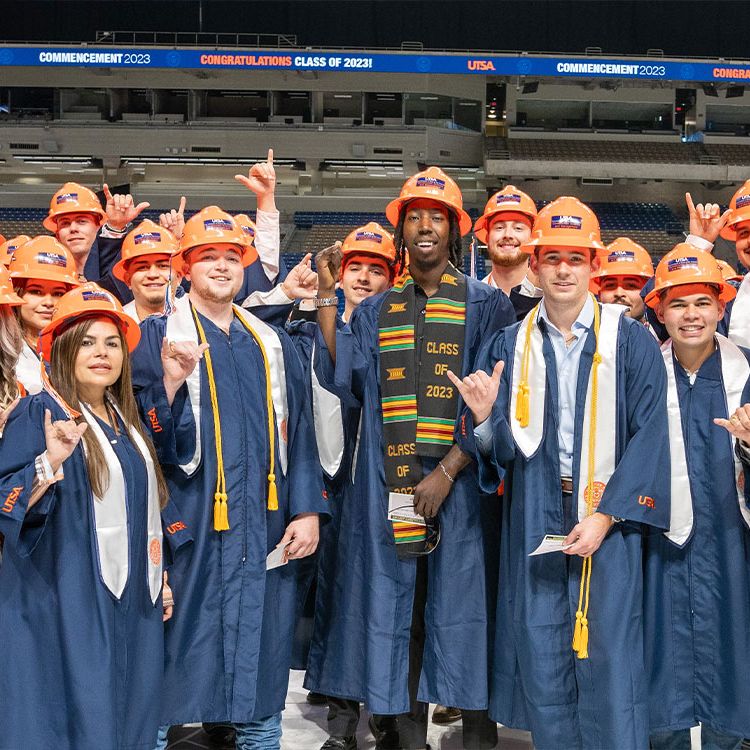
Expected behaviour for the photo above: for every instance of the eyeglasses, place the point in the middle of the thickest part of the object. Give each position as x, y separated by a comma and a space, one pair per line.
421, 547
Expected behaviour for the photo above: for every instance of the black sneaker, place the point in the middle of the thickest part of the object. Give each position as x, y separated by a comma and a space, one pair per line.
385, 733
221, 736
340, 743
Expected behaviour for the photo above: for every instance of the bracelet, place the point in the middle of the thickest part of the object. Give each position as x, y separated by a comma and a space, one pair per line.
445, 471
326, 302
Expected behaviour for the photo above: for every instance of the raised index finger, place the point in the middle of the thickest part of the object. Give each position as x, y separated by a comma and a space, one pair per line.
107, 194
690, 204
270, 156
181, 209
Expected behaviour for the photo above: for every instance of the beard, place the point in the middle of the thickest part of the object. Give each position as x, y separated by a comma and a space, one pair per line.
504, 260
205, 291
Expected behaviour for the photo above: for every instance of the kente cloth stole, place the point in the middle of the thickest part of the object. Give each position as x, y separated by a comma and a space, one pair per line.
419, 403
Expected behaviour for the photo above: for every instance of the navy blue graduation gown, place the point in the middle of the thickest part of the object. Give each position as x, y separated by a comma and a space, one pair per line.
321, 578
697, 598
79, 670
228, 646
371, 606
537, 681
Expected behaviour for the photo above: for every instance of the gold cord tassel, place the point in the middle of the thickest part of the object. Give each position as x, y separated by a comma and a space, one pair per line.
221, 512
273, 497
522, 404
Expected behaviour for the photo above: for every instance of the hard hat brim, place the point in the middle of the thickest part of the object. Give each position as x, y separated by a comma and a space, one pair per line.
562, 240
130, 329
726, 291
393, 210
50, 222
66, 279
119, 270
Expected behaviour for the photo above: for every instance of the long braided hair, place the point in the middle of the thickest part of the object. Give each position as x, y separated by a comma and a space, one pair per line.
455, 247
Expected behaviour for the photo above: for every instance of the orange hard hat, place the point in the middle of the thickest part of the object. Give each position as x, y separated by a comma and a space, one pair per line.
212, 226
508, 200
740, 208
148, 238
87, 301
623, 257
432, 184
10, 246
565, 222
7, 295
73, 198
685, 264
372, 241
247, 225
728, 272
46, 259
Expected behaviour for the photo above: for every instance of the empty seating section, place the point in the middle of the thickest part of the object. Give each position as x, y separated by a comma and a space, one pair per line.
729, 154
606, 151
560, 149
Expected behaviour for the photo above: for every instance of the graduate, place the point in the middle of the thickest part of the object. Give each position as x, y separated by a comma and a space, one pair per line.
707, 223
504, 226
239, 455
146, 267
41, 271
623, 271
697, 585
410, 619
93, 235
81, 604
574, 411
368, 267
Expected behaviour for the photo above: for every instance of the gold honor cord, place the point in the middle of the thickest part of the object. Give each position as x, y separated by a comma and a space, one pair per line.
581, 630
522, 396
221, 508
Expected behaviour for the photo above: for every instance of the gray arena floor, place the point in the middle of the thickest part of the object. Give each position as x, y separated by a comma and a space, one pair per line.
304, 729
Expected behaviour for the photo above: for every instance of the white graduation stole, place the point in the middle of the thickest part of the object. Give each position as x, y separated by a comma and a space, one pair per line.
181, 327
329, 424
529, 438
27, 370
111, 515
735, 371
739, 320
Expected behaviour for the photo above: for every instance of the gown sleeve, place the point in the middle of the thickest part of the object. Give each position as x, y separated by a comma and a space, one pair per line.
23, 440
172, 428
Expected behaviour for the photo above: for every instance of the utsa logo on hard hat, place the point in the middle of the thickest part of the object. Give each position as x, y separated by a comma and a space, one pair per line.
52, 259
500, 199
742, 201
93, 295
679, 264
147, 237
566, 222
430, 182
618, 255
67, 198
223, 224
365, 235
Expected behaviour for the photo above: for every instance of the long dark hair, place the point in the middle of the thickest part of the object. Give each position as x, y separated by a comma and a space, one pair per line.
65, 350
455, 247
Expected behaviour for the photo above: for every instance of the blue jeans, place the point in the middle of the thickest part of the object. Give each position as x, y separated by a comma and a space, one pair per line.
680, 740
264, 734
